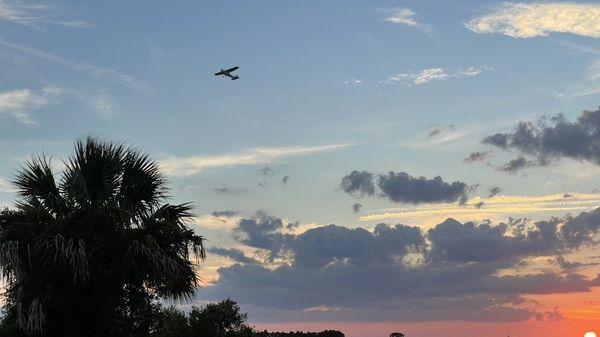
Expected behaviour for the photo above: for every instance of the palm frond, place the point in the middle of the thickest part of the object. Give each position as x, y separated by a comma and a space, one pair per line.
36, 181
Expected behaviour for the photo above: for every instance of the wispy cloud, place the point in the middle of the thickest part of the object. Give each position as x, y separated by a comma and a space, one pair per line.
405, 16
354, 81
526, 20
434, 74
35, 15
182, 166
18, 103
486, 208
86, 68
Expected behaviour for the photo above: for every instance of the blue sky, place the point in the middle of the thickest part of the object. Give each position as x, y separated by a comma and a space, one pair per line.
327, 87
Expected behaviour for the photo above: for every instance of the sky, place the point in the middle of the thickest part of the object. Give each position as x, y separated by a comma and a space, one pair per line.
380, 166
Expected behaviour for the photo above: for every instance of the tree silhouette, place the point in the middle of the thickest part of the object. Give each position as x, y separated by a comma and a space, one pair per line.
85, 253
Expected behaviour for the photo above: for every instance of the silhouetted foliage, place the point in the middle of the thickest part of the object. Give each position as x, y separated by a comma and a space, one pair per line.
223, 319
87, 252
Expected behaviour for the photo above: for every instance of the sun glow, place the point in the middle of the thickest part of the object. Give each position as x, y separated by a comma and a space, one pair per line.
590, 334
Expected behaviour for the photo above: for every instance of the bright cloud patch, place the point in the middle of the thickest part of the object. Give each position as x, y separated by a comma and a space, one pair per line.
520, 20
17, 103
434, 74
405, 16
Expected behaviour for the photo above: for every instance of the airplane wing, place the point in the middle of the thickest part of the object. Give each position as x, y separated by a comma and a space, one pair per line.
219, 73
232, 69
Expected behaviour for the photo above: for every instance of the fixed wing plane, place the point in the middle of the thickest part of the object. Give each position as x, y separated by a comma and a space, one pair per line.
228, 73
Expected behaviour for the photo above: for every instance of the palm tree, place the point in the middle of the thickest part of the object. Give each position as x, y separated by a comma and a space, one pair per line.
85, 253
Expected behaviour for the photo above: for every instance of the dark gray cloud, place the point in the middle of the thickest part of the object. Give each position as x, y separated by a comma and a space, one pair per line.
553, 138
358, 183
232, 253
356, 208
225, 214
478, 157
369, 274
494, 191
479, 204
285, 180
402, 187
515, 165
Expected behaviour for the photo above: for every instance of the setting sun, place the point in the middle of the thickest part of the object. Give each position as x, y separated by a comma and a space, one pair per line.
590, 334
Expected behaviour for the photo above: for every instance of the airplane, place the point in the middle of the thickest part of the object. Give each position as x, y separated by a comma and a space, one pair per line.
228, 73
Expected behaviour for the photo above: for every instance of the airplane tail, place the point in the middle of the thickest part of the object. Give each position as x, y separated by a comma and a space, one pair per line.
235, 78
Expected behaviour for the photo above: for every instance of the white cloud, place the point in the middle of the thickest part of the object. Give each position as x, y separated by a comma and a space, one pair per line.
34, 15
185, 166
405, 16
354, 81
85, 68
434, 74
522, 20
18, 103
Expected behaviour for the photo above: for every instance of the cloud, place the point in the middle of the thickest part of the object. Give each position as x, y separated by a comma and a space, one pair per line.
229, 190
354, 81
86, 68
358, 183
285, 180
267, 171
495, 207
402, 187
477, 157
527, 20
455, 271
232, 253
494, 191
35, 15
356, 208
185, 166
515, 165
405, 16
18, 103
225, 214
434, 74
550, 139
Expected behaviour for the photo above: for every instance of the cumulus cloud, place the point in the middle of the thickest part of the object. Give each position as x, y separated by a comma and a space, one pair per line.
527, 20
356, 208
358, 183
457, 277
550, 139
190, 165
405, 16
434, 74
402, 187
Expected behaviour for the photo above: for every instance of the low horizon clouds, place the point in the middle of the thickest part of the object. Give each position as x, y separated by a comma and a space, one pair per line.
435, 74
190, 165
452, 271
35, 15
527, 20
